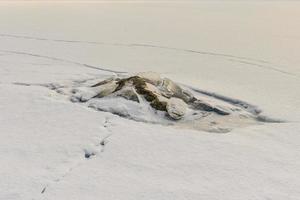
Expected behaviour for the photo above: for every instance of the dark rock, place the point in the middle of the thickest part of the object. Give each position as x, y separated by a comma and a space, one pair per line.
200, 105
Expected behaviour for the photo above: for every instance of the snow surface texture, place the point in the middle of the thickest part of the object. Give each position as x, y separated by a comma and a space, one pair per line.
51, 148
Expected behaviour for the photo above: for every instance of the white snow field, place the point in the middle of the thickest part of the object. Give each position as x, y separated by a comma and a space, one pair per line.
54, 149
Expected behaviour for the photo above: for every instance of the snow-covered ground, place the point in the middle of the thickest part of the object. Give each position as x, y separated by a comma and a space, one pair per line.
51, 148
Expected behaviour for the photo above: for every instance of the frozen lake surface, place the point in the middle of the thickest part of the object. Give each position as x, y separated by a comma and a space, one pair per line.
51, 148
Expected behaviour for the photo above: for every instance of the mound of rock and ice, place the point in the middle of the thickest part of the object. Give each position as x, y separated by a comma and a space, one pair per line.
148, 97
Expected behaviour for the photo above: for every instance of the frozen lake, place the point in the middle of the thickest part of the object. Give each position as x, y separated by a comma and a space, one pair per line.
232, 48
244, 50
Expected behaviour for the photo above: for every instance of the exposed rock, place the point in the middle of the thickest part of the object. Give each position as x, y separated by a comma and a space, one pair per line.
159, 105
200, 105
128, 93
187, 96
160, 93
151, 77
106, 89
104, 82
176, 108
170, 89
142, 88
84, 94
149, 98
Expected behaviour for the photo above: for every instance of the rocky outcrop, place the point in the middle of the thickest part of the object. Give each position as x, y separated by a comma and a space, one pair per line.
148, 97
176, 108
162, 94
